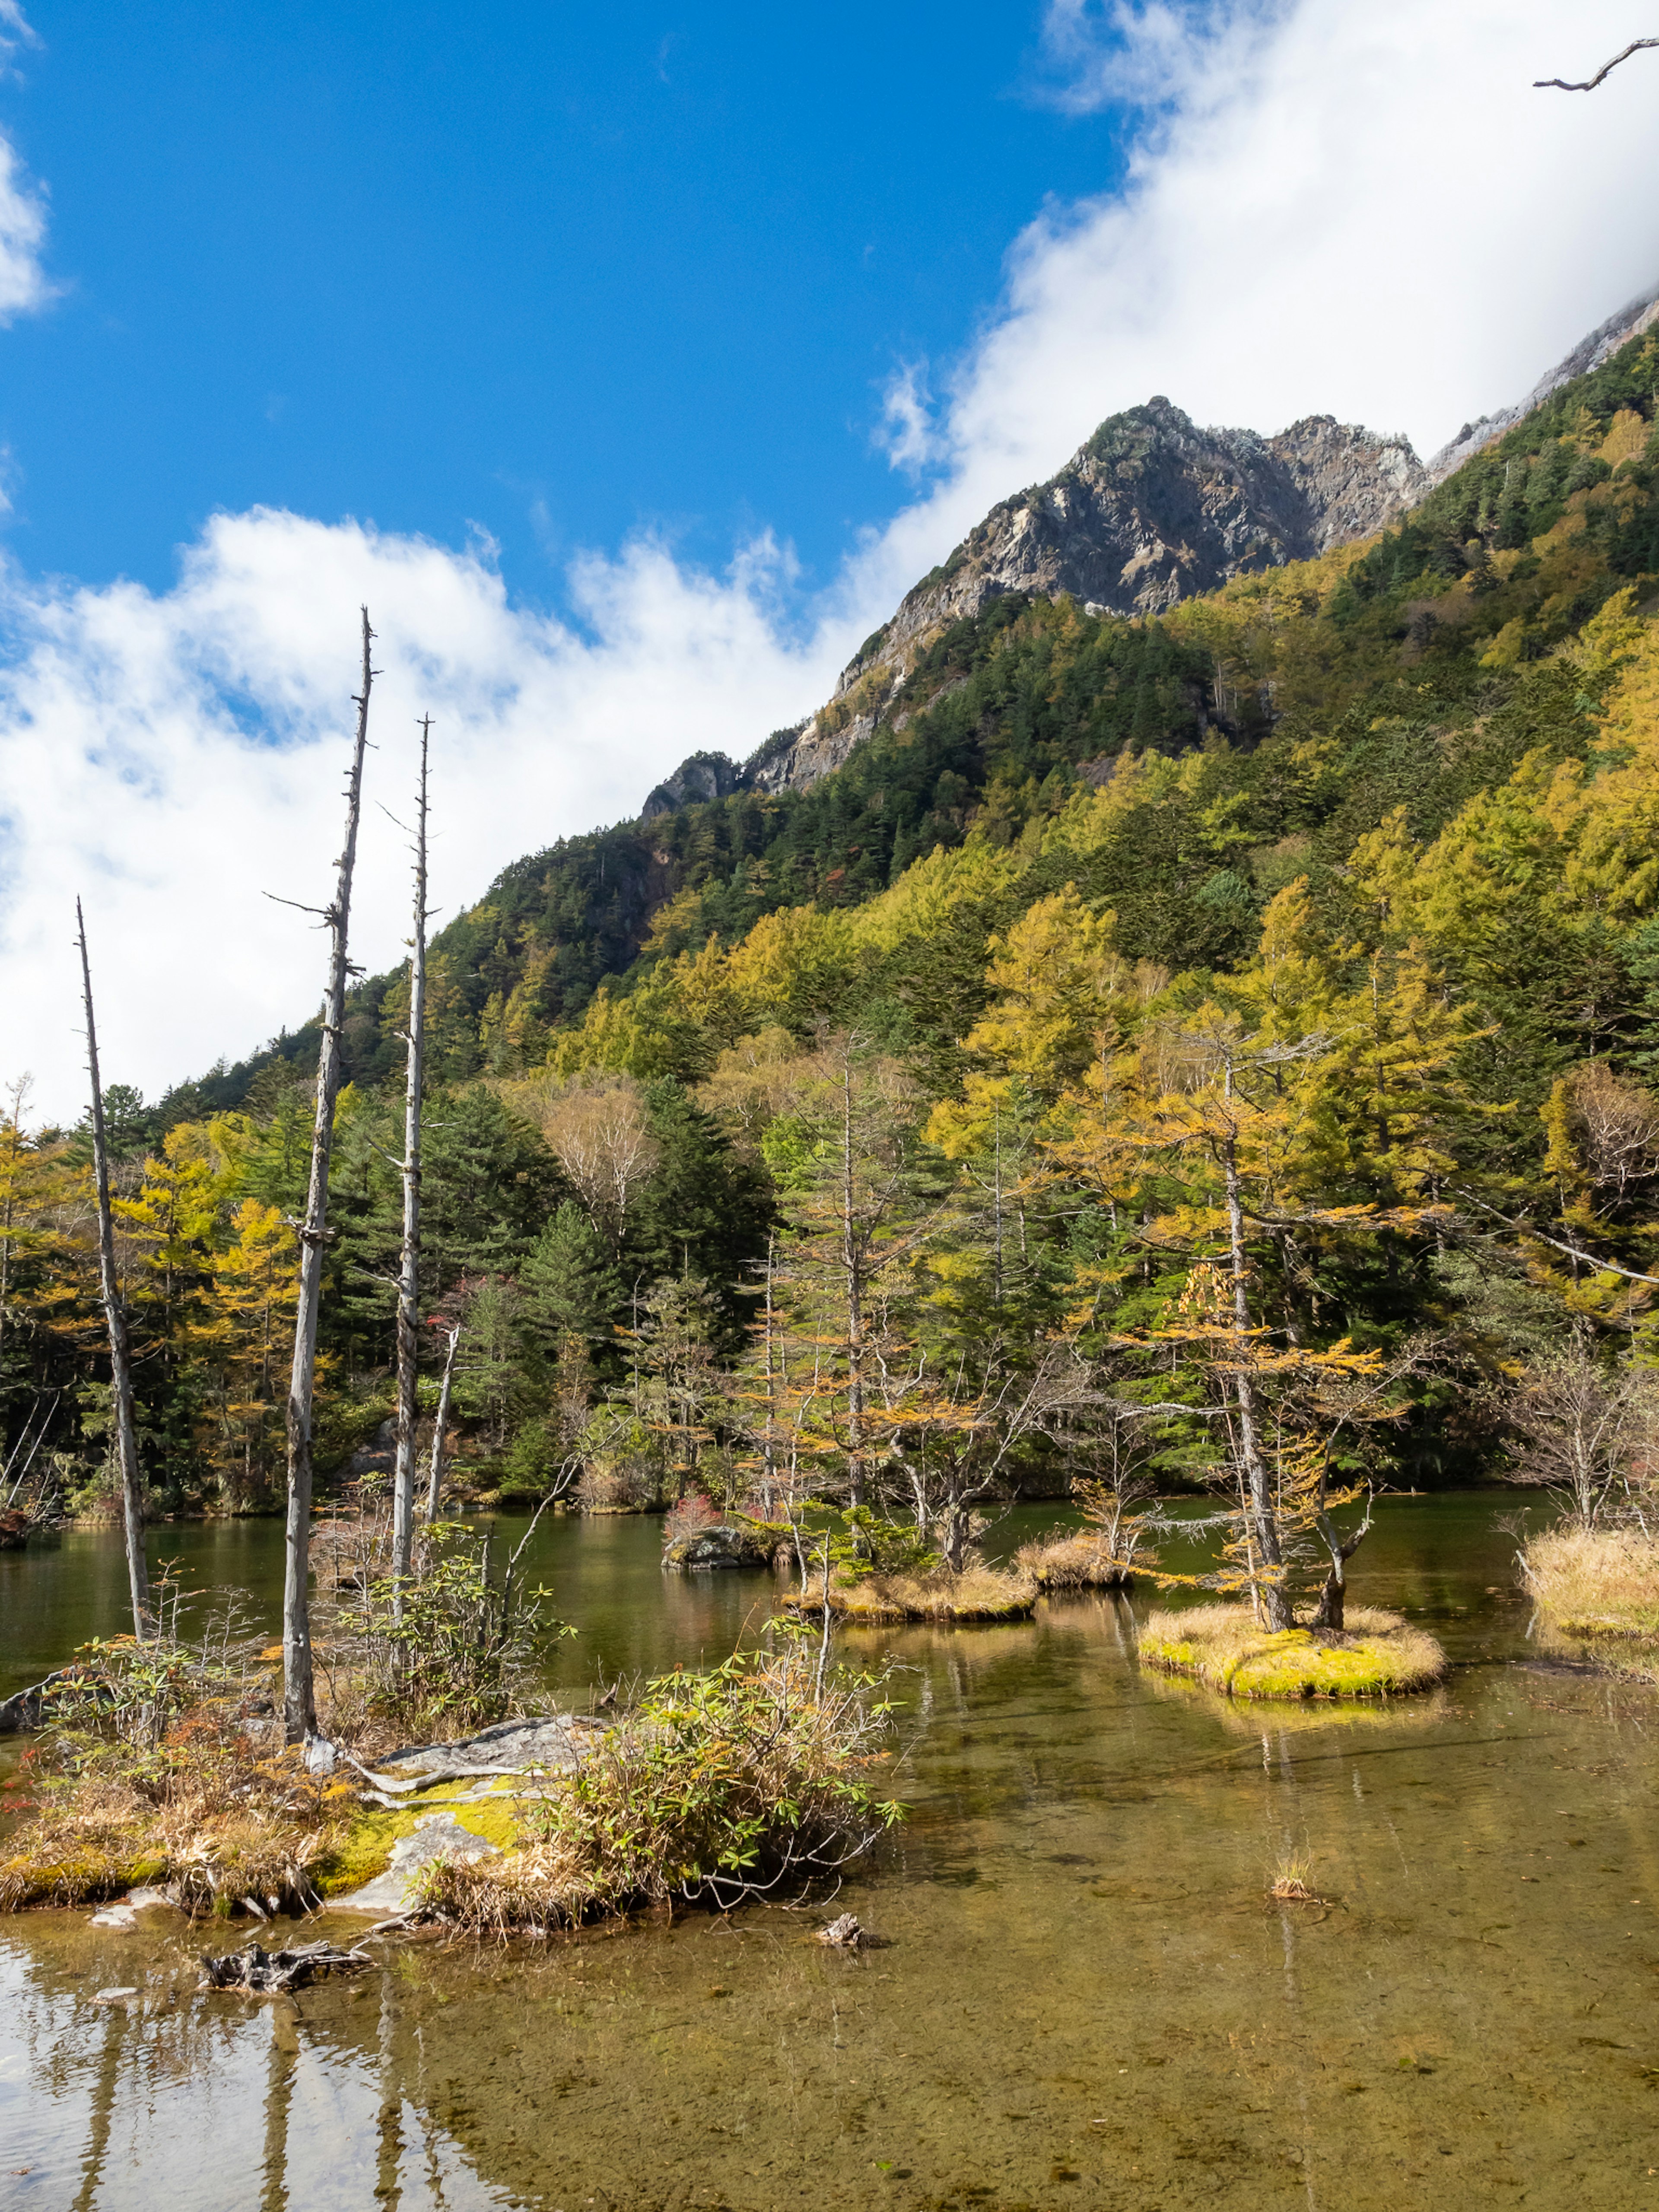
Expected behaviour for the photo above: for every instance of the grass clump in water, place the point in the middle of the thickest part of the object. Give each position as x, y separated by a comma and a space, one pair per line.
1290, 1884
751, 1777
1598, 1588
1377, 1653
1079, 1560
976, 1594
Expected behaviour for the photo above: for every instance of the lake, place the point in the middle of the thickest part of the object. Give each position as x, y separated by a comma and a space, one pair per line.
1082, 1996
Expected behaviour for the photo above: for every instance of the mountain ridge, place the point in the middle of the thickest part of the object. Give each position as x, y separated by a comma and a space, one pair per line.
1152, 508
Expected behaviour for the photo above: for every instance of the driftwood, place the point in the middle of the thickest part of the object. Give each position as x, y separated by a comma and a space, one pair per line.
269, 1973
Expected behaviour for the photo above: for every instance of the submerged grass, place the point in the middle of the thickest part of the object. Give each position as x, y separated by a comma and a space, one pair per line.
977, 1594
1378, 1654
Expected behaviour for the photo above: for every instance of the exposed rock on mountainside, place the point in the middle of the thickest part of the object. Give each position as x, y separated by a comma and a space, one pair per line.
704, 775
1589, 353
1151, 511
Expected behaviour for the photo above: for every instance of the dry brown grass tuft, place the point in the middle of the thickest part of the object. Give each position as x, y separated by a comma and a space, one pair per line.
1290, 1884
1601, 1583
213, 1822
1378, 1654
976, 1594
1078, 1561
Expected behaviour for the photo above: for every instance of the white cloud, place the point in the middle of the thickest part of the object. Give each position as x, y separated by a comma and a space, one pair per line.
24, 285
1365, 211
174, 757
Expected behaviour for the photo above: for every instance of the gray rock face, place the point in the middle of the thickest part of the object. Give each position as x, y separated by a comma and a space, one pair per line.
1154, 509
704, 775
1151, 511
1589, 353
438, 1837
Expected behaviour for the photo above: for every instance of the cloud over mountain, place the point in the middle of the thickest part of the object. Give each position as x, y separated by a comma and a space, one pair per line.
1369, 213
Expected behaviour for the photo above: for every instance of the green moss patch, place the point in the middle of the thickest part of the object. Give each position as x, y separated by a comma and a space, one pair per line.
1380, 1655
365, 1851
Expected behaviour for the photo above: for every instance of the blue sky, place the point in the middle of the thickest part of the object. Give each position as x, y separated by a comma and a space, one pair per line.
556, 271
567, 339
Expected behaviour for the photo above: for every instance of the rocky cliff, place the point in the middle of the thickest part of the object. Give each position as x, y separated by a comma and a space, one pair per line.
1151, 510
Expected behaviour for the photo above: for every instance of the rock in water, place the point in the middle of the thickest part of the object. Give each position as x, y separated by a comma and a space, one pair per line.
721, 1546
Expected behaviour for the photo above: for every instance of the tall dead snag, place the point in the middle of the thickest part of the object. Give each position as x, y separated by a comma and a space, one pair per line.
409, 1411
299, 1694
120, 1362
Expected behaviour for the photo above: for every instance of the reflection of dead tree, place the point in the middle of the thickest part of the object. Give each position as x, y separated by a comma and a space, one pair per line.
103, 2108
1561, 83
279, 2099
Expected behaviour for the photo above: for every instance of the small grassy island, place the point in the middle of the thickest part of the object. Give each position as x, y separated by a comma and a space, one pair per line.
1377, 1653
1598, 1591
1076, 1559
977, 1593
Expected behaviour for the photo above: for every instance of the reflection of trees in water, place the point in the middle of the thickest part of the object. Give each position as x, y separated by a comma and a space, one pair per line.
103, 2107
280, 2062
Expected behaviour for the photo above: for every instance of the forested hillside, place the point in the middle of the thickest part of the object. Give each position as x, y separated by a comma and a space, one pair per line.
1270, 986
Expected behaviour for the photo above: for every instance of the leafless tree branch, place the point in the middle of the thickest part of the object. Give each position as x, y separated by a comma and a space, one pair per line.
1561, 83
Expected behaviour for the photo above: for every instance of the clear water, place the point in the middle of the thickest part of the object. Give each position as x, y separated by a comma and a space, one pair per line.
1083, 1998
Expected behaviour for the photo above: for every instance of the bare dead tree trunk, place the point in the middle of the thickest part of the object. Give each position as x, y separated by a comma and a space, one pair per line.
409, 1410
1270, 1586
120, 1361
299, 1690
1333, 1592
853, 1271
435, 1478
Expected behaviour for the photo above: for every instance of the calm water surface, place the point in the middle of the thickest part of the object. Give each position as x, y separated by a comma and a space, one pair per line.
1083, 1997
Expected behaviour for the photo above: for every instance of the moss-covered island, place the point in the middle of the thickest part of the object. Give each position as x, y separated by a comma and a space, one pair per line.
1377, 1655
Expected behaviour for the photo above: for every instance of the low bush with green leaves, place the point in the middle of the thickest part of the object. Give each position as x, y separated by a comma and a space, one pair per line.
750, 1778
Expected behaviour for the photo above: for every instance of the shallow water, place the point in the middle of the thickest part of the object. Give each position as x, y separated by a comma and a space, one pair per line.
1083, 1997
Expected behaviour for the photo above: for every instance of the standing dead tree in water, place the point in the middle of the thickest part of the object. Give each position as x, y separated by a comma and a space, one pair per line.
120, 1361
299, 1690
409, 1410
